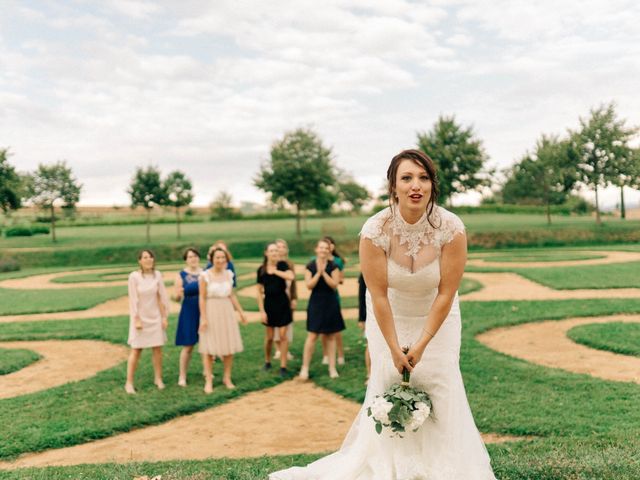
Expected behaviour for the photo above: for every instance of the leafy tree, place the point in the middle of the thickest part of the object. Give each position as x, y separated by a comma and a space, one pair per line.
222, 206
177, 188
146, 190
51, 184
597, 144
353, 193
458, 155
10, 184
625, 171
544, 177
300, 171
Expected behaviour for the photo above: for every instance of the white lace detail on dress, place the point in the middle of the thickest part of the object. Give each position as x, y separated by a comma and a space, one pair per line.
389, 223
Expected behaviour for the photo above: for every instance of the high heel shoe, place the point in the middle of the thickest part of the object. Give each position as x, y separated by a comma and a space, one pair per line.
333, 373
128, 387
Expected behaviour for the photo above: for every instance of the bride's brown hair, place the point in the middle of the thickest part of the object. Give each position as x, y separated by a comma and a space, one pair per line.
423, 160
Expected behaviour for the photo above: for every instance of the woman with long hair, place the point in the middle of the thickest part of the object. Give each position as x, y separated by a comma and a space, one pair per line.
412, 255
292, 292
148, 317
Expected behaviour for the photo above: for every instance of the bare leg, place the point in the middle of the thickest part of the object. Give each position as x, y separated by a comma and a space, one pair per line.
207, 366
309, 347
132, 365
185, 358
331, 352
325, 355
268, 344
339, 348
156, 359
227, 361
284, 346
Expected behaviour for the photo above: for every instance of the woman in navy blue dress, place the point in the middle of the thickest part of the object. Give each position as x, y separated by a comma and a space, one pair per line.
324, 317
186, 289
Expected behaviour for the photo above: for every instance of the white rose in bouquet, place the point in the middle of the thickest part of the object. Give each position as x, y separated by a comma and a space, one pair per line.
380, 409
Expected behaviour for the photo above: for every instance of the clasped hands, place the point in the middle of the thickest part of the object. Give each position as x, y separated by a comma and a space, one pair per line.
407, 358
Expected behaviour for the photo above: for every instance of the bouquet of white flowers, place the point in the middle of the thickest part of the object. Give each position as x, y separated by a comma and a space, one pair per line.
401, 408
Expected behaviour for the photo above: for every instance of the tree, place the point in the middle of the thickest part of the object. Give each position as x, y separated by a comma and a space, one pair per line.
544, 177
51, 184
177, 188
625, 170
596, 147
353, 193
146, 190
10, 184
222, 206
300, 171
458, 155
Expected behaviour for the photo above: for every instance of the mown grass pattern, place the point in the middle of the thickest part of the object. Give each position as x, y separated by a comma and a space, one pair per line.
617, 337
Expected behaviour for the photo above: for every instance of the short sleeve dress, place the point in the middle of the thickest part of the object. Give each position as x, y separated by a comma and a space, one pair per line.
323, 309
276, 301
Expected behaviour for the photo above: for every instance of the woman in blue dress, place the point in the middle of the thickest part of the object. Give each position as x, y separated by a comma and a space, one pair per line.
186, 289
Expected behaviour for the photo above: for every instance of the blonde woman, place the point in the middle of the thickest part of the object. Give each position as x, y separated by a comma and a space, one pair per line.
148, 314
219, 331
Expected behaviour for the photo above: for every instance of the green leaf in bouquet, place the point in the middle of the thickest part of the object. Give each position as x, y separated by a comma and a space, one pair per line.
378, 428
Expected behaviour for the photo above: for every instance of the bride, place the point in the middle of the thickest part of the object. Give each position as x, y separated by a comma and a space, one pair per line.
412, 256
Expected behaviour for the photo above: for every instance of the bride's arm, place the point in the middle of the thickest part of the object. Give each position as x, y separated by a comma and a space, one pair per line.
373, 263
452, 261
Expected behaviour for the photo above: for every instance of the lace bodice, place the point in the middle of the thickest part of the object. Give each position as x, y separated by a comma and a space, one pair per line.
218, 286
416, 245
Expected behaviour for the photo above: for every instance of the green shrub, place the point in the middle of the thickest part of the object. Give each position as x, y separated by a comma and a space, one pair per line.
19, 231
9, 264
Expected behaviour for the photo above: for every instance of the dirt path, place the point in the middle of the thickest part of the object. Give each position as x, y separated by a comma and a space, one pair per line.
609, 257
511, 286
59, 364
546, 343
250, 426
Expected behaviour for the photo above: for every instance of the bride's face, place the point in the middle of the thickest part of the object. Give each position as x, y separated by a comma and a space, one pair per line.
413, 186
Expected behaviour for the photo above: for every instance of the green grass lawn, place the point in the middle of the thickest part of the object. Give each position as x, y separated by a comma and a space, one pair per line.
539, 255
615, 275
615, 337
14, 359
18, 302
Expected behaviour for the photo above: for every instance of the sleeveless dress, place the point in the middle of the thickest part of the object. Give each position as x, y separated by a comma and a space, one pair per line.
189, 318
147, 296
323, 309
448, 446
222, 335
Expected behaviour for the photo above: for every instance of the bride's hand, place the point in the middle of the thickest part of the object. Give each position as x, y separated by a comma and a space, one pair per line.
401, 361
414, 355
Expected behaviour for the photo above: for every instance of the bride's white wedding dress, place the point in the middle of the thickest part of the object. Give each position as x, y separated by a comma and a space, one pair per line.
448, 446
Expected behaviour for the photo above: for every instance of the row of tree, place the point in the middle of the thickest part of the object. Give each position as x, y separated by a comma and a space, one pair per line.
301, 173
596, 155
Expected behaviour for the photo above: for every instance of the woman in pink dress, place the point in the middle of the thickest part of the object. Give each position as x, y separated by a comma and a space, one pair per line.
148, 313
219, 331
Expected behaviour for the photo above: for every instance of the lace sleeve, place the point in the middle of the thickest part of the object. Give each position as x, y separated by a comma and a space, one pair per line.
451, 226
374, 231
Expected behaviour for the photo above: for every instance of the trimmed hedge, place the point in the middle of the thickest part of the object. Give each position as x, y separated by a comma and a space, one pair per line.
26, 231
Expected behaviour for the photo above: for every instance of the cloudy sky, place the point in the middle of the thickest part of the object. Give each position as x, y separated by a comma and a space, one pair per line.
206, 87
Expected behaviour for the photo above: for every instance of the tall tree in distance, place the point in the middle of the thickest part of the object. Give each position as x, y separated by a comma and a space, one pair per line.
146, 191
222, 206
596, 146
459, 156
10, 184
624, 170
178, 190
544, 177
51, 184
300, 171
353, 193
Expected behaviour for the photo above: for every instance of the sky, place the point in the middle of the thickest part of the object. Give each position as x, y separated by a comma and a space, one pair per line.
207, 87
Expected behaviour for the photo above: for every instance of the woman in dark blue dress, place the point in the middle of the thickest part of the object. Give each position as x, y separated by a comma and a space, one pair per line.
186, 289
323, 310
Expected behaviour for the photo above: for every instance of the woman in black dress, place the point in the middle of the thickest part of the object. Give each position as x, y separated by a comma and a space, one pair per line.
274, 303
323, 311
